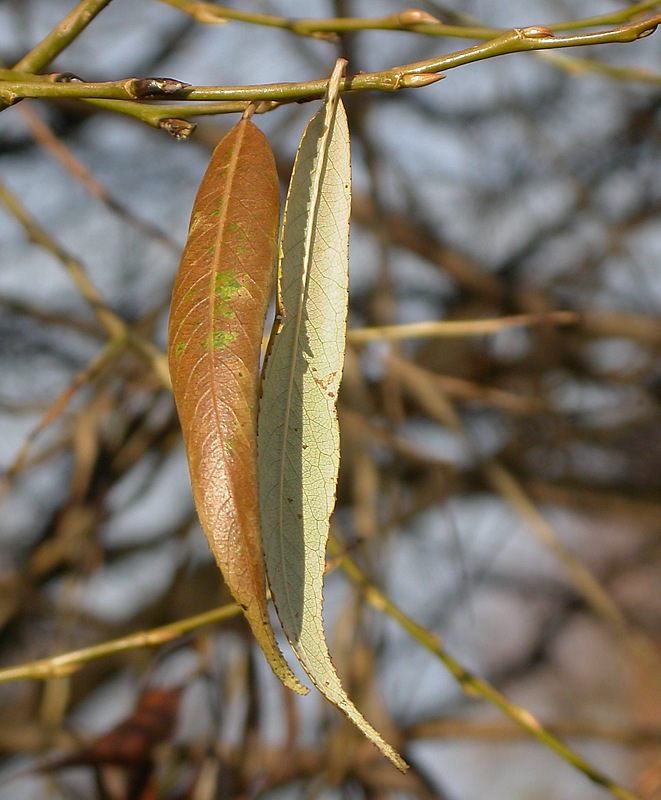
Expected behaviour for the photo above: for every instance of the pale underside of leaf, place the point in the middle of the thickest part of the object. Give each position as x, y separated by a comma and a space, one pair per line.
216, 321
298, 432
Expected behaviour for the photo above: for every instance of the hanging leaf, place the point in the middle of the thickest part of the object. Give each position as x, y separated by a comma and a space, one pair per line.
298, 433
216, 323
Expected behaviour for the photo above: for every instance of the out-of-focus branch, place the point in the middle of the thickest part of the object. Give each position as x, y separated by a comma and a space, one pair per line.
67, 663
459, 328
411, 20
116, 327
61, 36
471, 684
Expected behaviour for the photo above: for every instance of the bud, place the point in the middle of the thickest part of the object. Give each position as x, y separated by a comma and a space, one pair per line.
179, 128
418, 79
537, 32
646, 32
67, 77
141, 88
414, 16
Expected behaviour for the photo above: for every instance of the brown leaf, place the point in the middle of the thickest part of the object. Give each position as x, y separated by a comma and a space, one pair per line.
219, 302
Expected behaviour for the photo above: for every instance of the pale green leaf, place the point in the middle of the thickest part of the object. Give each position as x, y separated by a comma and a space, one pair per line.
298, 433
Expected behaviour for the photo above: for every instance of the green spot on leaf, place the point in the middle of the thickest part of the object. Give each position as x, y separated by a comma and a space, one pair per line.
219, 339
226, 285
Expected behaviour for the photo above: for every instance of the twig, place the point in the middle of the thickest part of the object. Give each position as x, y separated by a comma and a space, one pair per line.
15, 86
61, 36
459, 328
117, 329
410, 20
471, 684
500, 731
107, 354
66, 663
61, 153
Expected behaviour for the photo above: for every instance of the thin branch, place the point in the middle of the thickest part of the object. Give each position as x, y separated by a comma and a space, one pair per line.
100, 361
45, 137
501, 731
15, 85
582, 579
532, 39
118, 330
459, 328
66, 663
61, 36
410, 20
614, 18
473, 685
584, 66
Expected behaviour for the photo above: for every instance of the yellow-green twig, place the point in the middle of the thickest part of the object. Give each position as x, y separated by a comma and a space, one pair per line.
67, 663
583, 66
532, 39
472, 684
61, 36
459, 328
409, 20
120, 96
612, 18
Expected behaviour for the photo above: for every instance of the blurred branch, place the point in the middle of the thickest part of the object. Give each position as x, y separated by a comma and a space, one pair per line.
459, 328
471, 684
503, 483
411, 20
61, 36
645, 511
63, 155
613, 18
67, 663
585, 583
583, 66
407, 232
443, 386
117, 329
498, 732
107, 354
